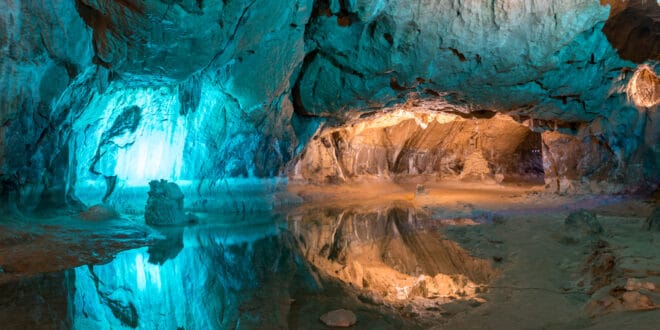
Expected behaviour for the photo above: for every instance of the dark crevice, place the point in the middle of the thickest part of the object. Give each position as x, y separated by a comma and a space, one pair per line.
461, 56
298, 105
342, 67
635, 30
394, 84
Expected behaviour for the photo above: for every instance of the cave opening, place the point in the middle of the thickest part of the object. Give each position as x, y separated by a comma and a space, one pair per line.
421, 145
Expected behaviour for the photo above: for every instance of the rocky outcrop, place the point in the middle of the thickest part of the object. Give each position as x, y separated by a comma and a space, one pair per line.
339, 318
165, 204
44, 46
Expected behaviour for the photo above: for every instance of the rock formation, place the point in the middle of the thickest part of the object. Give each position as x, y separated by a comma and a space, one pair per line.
412, 141
165, 204
339, 318
93, 89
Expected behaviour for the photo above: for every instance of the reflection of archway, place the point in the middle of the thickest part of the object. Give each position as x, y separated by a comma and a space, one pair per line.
399, 144
394, 254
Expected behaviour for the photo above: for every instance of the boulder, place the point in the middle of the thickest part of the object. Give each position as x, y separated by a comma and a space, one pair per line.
340, 318
165, 204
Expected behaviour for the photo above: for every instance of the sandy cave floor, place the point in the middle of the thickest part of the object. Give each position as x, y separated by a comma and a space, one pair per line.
550, 277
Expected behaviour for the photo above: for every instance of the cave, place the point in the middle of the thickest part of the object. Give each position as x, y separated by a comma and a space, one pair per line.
303, 164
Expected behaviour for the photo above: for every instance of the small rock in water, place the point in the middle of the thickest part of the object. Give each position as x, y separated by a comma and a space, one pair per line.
165, 204
341, 318
584, 221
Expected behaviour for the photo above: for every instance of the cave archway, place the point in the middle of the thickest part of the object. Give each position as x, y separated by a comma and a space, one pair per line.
403, 145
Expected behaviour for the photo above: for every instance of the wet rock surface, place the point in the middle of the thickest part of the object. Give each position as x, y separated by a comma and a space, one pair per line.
261, 269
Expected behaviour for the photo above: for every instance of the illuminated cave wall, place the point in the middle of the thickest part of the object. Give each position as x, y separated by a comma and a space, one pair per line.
100, 95
413, 143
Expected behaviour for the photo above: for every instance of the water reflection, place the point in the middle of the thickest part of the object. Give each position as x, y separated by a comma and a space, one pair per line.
393, 254
222, 277
274, 272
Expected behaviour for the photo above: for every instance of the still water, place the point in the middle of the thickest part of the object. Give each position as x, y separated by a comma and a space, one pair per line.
390, 265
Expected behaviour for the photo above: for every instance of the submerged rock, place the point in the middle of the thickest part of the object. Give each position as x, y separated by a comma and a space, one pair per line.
165, 204
581, 226
584, 222
341, 318
653, 221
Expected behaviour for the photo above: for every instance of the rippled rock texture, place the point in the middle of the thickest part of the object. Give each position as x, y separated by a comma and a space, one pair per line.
102, 95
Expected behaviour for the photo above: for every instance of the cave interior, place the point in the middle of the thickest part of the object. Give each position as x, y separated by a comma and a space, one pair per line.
374, 164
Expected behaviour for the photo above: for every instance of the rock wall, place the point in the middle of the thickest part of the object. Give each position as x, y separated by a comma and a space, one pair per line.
99, 95
155, 90
548, 56
410, 141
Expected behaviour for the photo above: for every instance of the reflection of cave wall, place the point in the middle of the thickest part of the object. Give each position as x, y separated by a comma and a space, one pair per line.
399, 144
216, 281
37, 302
394, 252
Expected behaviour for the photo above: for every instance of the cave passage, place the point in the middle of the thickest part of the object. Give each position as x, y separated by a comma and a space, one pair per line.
403, 145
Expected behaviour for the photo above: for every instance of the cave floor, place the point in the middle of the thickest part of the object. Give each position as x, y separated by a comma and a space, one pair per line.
510, 259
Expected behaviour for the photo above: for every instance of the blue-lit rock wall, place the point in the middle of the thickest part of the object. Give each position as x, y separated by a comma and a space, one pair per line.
160, 90
100, 94
547, 55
